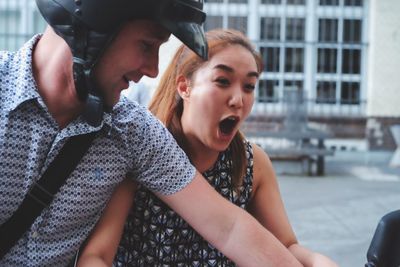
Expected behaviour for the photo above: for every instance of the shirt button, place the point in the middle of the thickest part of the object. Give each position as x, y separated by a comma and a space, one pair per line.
34, 234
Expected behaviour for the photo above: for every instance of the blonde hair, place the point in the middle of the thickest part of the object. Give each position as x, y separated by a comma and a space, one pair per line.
167, 105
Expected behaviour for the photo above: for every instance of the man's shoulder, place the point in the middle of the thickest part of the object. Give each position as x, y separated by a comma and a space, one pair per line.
131, 116
128, 111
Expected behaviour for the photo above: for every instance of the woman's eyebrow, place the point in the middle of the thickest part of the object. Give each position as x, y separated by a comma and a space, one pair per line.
253, 74
231, 70
223, 67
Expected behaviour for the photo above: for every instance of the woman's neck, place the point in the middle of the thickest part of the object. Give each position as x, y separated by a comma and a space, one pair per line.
202, 157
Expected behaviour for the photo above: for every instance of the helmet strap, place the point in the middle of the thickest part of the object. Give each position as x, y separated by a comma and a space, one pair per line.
85, 88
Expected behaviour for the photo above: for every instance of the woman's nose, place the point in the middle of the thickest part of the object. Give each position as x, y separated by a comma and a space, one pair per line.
236, 99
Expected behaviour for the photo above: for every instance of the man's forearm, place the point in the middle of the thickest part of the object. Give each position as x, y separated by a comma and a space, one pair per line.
250, 244
230, 229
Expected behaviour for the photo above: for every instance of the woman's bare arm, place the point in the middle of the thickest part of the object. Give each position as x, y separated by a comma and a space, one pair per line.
267, 207
103, 242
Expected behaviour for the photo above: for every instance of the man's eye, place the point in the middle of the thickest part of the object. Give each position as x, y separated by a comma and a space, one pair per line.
146, 46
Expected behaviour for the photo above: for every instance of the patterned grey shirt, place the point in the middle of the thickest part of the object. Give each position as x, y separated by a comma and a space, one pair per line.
131, 143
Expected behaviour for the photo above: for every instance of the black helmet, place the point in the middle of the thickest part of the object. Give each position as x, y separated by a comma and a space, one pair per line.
89, 25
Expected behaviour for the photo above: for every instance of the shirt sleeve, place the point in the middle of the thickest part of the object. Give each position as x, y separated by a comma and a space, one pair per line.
159, 163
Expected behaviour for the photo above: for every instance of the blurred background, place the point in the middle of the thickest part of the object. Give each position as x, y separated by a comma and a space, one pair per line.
327, 106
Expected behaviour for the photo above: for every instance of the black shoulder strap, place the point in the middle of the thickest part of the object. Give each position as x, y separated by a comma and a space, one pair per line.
42, 192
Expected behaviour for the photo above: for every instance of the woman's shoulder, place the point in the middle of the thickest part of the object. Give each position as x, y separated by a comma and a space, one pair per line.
258, 152
262, 165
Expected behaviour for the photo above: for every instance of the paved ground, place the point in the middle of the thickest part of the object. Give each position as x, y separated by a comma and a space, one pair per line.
337, 214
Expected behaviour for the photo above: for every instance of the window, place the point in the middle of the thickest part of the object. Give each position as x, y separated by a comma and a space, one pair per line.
238, 23
351, 61
328, 30
353, 2
9, 19
327, 60
39, 24
329, 2
273, 2
268, 91
213, 22
238, 1
295, 2
293, 84
270, 56
294, 59
326, 92
350, 93
295, 29
352, 31
213, 1
10, 37
270, 29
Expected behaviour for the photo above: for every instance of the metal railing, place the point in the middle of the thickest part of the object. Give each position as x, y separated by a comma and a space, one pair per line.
276, 108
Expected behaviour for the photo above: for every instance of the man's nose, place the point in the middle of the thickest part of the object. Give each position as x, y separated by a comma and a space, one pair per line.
150, 66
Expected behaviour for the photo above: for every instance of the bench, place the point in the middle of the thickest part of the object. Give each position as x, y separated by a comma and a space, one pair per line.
311, 155
305, 145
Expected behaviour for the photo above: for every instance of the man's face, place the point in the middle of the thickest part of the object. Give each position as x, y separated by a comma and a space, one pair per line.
132, 54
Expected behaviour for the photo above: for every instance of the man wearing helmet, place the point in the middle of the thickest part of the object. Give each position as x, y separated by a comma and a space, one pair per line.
67, 83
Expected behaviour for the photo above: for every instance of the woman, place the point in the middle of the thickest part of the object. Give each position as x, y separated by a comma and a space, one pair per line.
203, 104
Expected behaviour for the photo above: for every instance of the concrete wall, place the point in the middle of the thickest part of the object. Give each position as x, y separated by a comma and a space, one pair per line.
383, 108
384, 59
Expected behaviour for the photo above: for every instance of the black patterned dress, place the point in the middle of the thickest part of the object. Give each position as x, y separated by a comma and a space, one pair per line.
155, 235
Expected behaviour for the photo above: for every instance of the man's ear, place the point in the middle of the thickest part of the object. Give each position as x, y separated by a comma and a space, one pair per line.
183, 87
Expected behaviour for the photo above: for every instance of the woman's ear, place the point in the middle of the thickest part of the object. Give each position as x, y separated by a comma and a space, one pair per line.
183, 87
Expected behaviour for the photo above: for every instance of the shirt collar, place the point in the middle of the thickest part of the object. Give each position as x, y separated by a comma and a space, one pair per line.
24, 84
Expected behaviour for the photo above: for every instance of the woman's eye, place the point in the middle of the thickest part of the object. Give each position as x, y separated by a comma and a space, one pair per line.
222, 81
250, 87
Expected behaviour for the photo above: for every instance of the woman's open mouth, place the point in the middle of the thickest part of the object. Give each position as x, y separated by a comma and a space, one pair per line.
228, 125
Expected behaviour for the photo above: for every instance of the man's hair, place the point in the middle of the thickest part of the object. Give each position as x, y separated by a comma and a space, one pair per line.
167, 105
